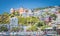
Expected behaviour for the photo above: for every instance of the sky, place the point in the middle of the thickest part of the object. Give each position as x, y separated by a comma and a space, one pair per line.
6, 5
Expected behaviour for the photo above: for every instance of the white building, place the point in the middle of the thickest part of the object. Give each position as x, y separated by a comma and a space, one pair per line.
29, 13
58, 18
24, 14
13, 22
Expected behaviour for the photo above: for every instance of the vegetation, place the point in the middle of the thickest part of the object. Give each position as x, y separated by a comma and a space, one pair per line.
3, 28
53, 16
27, 20
15, 29
43, 8
39, 24
32, 28
36, 26
43, 27
4, 18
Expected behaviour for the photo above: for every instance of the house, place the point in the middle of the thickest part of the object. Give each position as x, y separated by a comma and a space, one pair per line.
13, 22
58, 18
29, 13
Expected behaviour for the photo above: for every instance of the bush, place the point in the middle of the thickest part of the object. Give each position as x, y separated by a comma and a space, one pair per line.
3, 28
39, 24
33, 28
15, 29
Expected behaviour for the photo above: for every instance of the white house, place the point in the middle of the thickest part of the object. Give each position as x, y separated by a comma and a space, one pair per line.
24, 14
13, 22
58, 18
29, 13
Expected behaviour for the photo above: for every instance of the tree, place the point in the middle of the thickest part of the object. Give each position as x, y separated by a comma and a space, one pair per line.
3, 28
40, 24
53, 16
32, 28
27, 20
15, 13
15, 29
4, 18
43, 27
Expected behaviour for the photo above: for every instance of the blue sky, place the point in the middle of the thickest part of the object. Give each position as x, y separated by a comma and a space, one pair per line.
5, 5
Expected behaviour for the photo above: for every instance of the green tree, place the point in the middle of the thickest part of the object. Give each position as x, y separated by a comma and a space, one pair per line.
2, 28
53, 16
40, 24
43, 27
4, 18
15, 13
32, 28
15, 29
27, 20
